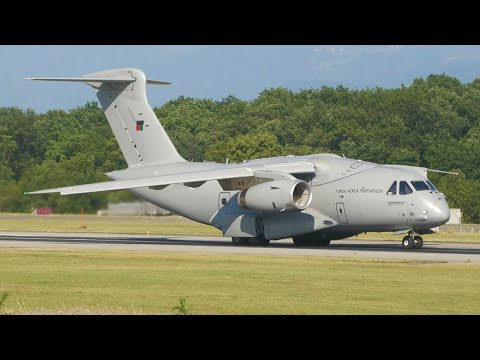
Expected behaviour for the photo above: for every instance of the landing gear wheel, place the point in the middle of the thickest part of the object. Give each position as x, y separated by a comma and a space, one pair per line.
301, 242
417, 242
258, 241
408, 242
239, 241
311, 242
322, 243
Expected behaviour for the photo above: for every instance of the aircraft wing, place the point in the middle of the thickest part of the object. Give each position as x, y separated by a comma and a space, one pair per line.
422, 170
197, 177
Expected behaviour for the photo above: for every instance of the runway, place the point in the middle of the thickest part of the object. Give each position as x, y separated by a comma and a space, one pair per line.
431, 252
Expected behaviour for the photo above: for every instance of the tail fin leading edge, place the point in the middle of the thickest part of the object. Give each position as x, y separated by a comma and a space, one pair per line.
122, 95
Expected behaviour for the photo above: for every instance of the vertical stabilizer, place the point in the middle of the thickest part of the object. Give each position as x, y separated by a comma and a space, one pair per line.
122, 95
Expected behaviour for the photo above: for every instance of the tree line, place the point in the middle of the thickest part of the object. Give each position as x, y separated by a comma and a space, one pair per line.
433, 122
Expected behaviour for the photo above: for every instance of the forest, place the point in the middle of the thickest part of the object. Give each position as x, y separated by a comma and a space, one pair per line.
434, 122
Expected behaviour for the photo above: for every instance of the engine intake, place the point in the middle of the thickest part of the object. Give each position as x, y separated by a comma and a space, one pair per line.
277, 196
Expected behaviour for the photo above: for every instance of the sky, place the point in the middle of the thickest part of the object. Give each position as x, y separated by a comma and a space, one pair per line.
217, 71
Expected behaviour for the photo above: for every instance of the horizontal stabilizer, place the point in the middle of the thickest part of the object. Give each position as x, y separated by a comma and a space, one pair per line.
103, 80
157, 82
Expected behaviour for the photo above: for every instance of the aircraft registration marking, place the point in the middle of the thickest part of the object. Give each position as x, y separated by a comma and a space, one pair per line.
360, 191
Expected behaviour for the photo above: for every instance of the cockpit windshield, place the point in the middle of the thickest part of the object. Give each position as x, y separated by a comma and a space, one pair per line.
405, 189
432, 186
420, 185
393, 189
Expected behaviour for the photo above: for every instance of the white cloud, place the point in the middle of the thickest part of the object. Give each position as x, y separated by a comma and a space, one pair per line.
454, 58
357, 50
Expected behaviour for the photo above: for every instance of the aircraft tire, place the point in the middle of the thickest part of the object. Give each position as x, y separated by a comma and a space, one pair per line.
418, 242
408, 242
239, 241
311, 242
321, 243
301, 242
258, 241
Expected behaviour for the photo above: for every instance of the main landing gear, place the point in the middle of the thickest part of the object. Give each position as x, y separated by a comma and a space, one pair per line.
299, 241
252, 241
412, 241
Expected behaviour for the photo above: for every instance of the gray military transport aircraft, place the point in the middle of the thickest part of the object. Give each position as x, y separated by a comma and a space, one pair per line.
313, 199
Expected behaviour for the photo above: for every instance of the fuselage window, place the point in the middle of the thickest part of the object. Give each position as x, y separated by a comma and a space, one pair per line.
393, 189
405, 189
432, 186
420, 185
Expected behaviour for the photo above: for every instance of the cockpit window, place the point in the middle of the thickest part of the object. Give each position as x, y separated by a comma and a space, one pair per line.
405, 188
432, 186
420, 185
393, 189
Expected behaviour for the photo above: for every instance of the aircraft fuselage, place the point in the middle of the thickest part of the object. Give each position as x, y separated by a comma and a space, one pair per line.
353, 193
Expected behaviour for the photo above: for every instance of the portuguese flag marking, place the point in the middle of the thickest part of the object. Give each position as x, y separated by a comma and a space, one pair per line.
140, 125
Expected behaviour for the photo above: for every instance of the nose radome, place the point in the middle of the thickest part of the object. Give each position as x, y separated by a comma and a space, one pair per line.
445, 213
441, 212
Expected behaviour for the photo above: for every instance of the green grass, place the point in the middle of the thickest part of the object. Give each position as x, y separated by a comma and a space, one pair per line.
168, 225
119, 282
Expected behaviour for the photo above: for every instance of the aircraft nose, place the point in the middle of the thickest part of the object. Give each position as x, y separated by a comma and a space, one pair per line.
440, 212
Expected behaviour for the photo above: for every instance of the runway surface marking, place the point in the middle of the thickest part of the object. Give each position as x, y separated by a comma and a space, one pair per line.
431, 252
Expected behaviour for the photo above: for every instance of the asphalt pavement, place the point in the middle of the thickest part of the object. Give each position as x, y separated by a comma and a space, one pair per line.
391, 250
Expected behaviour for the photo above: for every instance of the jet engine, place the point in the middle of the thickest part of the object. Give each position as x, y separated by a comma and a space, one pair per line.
277, 196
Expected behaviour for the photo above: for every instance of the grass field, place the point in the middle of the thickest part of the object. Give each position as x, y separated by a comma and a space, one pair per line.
166, 225
122, 282
153, 225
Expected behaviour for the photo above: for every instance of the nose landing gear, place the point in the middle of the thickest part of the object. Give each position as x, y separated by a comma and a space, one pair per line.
412, 241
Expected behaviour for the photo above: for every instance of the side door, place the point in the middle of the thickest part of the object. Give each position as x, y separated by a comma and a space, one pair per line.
406, 194
395, 204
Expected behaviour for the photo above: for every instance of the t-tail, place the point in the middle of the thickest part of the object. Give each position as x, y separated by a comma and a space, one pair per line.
122, 95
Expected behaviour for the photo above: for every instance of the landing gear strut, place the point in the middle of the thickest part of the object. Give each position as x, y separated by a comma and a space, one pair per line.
412, 241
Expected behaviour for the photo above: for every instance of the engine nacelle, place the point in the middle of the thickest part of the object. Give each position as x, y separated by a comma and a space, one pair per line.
277, 196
